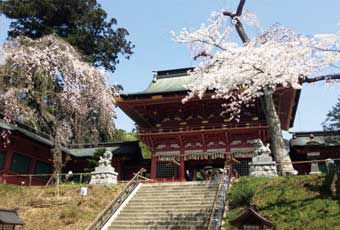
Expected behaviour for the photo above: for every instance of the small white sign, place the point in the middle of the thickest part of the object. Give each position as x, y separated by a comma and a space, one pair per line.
313, 154
83, 191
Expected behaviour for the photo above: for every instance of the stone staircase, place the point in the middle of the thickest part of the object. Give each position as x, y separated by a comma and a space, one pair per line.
185, 205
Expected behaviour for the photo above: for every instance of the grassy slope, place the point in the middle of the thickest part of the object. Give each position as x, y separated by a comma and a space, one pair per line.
293, 203
75, 213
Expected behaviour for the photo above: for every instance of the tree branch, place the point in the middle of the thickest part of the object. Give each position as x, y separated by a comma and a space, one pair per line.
228, 13
238, 24
240, 7
241, 32
328, 77
202, 54
209, 43
327, 50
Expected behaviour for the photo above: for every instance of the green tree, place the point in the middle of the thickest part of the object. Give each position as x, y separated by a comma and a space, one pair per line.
82, 23
93, 161
122, 135
332, 121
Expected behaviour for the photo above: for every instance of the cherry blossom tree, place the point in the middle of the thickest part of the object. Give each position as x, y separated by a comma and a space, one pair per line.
242, 72
45, 83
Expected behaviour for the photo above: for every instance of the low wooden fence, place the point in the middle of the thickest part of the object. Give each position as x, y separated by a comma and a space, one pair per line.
43, 179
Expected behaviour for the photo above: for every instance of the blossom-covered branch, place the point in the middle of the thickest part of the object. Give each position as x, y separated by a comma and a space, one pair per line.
327, 78
46, 80
278, 57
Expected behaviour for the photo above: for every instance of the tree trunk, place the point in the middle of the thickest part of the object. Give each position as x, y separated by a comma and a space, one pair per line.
57, 153
57, 158
280, 153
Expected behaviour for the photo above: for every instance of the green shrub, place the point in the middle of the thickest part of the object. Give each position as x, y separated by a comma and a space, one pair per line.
241, 194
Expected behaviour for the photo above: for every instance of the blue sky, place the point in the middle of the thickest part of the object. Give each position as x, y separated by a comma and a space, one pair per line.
150, 22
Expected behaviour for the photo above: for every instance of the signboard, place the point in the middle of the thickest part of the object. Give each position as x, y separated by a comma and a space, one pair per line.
313, 154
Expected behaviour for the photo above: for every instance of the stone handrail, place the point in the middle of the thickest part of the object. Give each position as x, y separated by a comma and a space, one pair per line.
112, 207
216, 215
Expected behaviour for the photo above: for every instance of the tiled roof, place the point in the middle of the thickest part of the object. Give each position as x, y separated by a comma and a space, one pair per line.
130, 148
10, 216
167, 81
89, 152
124, 148
30, 133
327, 138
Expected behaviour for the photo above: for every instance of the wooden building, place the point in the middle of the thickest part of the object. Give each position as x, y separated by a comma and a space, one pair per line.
28, 152
9, 219
186, 138
127, 158
314, 145
249, 219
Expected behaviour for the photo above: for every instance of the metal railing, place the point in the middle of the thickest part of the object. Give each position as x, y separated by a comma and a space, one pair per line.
111, 208
216, 215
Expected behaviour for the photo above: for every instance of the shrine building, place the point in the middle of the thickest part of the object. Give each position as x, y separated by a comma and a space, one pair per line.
186, 138
314, 145
27, 158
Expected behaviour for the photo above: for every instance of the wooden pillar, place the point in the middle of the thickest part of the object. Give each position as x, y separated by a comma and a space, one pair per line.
227, 146
153, 166
7, 164
181, 167
32, 166
118, 165
8, 161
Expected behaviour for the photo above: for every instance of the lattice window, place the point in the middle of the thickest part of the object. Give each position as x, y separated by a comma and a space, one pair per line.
251, 227
20, 163
243, 167
42, 168
6, 227
2, 159
167, 169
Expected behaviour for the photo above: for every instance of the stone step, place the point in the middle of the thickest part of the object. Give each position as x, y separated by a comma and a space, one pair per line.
179, 184
180, 188
176, 195
176, 188
187, 213
175, 210
158, 223
149, 186
166, 227
171, 194
169, 218
170, 204
157, 210
166, 207
164, 214
175, 198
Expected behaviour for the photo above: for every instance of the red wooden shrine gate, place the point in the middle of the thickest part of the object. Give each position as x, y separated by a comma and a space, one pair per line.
184, 138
